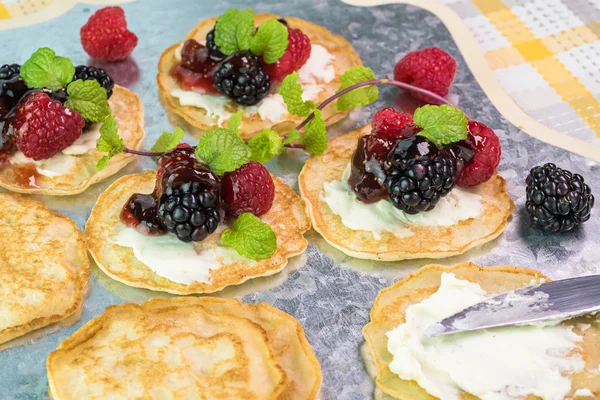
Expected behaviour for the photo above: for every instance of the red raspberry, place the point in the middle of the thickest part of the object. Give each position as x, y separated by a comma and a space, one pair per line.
250, 188
105, 36
431, 68
486, 159
389, 123
293, 59
44, 126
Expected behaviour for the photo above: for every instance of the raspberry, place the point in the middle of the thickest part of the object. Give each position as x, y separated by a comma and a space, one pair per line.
431, 68
105, 36
44, 126
248, 189
486, 159
294, 58
389, 123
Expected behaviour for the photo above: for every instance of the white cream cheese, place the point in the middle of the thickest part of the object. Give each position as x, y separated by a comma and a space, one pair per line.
499, 364
175, 260
382, 216
583, 393
85, 142
317, 71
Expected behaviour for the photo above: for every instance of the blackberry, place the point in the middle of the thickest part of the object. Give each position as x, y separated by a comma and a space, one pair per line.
418, 175
98, 74
8, 71
12, 88
189, 205
215, 52
558, 200
242, 78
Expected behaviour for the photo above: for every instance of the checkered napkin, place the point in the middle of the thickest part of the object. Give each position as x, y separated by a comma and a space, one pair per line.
546, 55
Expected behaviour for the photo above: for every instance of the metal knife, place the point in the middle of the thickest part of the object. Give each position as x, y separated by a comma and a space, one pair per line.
557, 300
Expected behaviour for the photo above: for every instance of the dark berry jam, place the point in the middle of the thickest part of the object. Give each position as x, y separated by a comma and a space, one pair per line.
197, 69
368, 168
140, 213
461, 153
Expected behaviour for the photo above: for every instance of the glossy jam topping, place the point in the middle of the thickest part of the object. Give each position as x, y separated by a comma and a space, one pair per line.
197, 69
140, 213
368, 169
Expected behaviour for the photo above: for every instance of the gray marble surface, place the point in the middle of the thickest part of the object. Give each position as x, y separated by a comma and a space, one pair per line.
328, 292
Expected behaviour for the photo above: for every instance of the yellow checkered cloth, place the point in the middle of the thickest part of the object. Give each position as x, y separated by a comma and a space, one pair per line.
546, 55
17, 8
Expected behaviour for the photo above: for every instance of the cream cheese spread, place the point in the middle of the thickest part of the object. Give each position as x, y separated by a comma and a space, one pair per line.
317, 70
382, 216
175, 260
500, 364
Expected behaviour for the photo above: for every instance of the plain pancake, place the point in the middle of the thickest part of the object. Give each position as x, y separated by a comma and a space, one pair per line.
195, 119
288, 218
44, 266
169, 349
425, 241
128, 111
391, 303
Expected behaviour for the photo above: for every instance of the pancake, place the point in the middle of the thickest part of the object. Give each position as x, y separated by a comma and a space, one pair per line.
186, 348
195, 119
44, 266
24, 177
424, 241
288, 219
391, 303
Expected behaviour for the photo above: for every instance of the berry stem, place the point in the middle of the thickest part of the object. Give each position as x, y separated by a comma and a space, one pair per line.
295, 146
142, 153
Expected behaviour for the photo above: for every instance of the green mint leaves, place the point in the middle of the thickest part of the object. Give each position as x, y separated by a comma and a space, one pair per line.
266, 145
235, 121
110, 142
44, 69
357, 97
251, 237
315, 135
88, 98
441, 124
270, 41
235, 31
168, 141
291, 91
222, 150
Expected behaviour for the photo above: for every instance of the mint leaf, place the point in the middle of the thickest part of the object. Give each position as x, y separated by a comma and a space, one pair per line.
441, 124
315, 135
292, 136
234, 30
266, 145
222, 150
291, 91
109, 142
270, 41
168, 141
251, 237
44, 69
235, 121
88, 98
357, 97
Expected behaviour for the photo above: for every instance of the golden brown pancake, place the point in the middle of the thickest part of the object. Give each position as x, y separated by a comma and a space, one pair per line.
186, 348
425, 241
288, 219
44, 266
24, 178
195, 119
391, 303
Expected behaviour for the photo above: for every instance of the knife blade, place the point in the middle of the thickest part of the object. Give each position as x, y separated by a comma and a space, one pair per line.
556, 300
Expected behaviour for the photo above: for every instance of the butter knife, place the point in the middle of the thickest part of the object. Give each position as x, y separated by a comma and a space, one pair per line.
551, 301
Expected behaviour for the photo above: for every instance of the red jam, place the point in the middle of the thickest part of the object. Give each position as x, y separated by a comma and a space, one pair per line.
196, 70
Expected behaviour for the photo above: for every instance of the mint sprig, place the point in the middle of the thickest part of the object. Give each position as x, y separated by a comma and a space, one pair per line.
251, 237
222, 150
44, 69
168, 141
291, 91
270, 41
235, 31
89, 99
361, 96
266, 145
441, 124
109, 142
